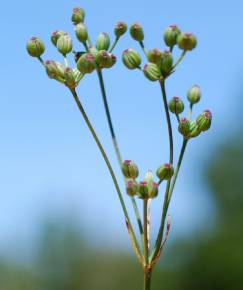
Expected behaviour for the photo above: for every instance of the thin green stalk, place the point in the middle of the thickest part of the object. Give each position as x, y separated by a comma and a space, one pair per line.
145, 236
143, 48
147, 280
178, 118
65, 60
130, 228
41, 60
114, 44
179, 60
167, 199
190, 111
115, 144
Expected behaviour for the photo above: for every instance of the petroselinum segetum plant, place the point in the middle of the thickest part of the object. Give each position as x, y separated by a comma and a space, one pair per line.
160, 65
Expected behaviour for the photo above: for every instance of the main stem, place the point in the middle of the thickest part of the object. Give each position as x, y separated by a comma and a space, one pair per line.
147, 281
132, 234
115, 144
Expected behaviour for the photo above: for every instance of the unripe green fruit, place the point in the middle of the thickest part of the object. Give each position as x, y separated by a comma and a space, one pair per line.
55, 35
78, 15
194, 129
166, 62
194, 94
131, 59
69, 77
154, 56
120, 29
130, 169
93, 51
103, 41
184, 127
55, 70
176, 105
86, 63
136, 32
153, 190
131, 187
81, 32
64, 44
152, 72
35, 47
143, 190
103, 59
186, 41
165, 171
204, 120
170, 35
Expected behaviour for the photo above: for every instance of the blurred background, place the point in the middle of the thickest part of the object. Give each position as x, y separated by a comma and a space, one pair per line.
61, 225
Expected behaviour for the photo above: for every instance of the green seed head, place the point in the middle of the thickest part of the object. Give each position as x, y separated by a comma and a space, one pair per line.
194, 129
130, 169
166, 62
204, 120
103, 59
81, 32
152, 72
131, 187
64, 44
69, 77
165, 171
35, 47
86, 63
120, 29
154, 56
78, 15
136, 32
143, 190
184, 127
170, 35
186, 41
55, 70
153, 190
176, 105
103, 41
131, 58
194, 94
55, 35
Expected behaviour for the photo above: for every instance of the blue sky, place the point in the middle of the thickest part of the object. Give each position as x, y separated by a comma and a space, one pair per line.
49, 162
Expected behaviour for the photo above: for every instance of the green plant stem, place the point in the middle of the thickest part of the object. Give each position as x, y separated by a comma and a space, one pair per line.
114, 44
65, 60
145, 226
116, 147
178, 118
179, 60
41, 60
130, 228
190, 112
147, 280
143, 48
167, 199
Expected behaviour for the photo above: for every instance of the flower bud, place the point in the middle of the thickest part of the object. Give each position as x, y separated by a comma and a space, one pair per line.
113, 59
176, 105
152, 72
184, 127
170, 35
143, 190
154, 56
64, 44
194, 94
78, 15
194, 129
153, 190
55, 35
166, 62
69, 77
136, 32
186, 41
35, 47
103, 41
55, 70
131, 187
130, 169
148, 176
103, 59
165, 171
93, 51
86, 63
204, 120
120, 29
81, 32
131, 58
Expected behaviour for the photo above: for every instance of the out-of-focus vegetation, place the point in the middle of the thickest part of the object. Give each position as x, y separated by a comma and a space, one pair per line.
213, 262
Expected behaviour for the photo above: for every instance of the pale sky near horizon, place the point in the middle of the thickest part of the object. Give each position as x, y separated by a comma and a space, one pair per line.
49, 162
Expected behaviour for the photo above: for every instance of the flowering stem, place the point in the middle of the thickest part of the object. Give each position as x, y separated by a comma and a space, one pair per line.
167, 198
65, 60
179, 60
190, 111
129, 225
147, 280
115, 144
145, 236
114, 44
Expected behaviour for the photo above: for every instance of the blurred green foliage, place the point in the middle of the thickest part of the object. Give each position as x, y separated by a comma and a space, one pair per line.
213, 262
